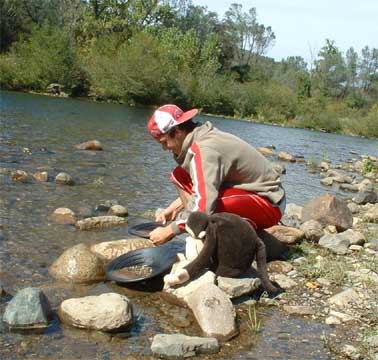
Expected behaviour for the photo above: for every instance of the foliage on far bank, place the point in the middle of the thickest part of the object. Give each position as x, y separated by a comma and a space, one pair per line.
158, 52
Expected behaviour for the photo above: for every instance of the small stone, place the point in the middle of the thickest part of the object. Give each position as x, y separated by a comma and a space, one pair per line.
20, 176
100, 222
64, 179
118, 210
64, 216
41, 176
90, 145
332, 320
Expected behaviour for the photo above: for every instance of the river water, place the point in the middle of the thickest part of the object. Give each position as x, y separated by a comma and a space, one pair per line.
39, 133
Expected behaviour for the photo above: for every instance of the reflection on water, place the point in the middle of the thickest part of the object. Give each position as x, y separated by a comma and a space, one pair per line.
39, 133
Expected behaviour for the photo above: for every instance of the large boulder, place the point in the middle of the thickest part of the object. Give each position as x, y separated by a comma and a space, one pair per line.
78, 265
110, 250
328, 210
29, 309
107, 312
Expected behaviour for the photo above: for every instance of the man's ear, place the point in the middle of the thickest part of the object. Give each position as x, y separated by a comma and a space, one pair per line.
202, 234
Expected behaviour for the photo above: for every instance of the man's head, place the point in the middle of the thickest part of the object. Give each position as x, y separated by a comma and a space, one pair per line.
169, 125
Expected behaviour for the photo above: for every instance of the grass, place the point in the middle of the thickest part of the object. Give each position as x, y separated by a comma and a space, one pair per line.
253, 323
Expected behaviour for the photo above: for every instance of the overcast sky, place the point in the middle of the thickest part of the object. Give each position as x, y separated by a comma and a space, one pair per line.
301, 26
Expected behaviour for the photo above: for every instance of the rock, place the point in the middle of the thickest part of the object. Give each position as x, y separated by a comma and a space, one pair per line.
313, 230
118, 210
84, 212
355, 237
279, 266
372, 244
337, 243
64, 216
372, 214
64, 179
29, 309
89, 145
332, 320
54, 88
100, 222
20, 176
110, 250
344, 298
283, 281
237, 287
339, 177
41, 176
78, 265
299, 309
213, 311
328, 210
287, 235
349, 187
284, 156
350, 352
178, 346
106, 205
293, 210
324, 165
366, 195
107, 312
353, 207
341, 316
328, 181
266, 151
364, 183
372, 341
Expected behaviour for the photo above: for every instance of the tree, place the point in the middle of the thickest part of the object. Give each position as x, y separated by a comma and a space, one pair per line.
330, 73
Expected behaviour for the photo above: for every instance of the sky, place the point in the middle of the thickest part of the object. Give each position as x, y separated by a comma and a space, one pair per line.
302, 26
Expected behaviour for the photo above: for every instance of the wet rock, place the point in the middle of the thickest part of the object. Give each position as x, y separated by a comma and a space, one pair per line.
337, 243
344, 298
177, 346
29, 309
279, 266
64, 179
284, 156
110, 250
328, 210
64, 216
213, 311
78, 265
285, 234
118, 210
266, 151
89, 145
54, 88
84, 212
100, 222
313, 230
328, 181
299, 309
237, 287
105, 206
107, 312
41, 176
20, 176
349, 187
339, 177
366, 195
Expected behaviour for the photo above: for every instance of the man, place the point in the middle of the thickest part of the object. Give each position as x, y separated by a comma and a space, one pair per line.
216, 172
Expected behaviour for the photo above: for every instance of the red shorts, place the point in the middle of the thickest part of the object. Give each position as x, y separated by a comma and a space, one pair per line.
255, 208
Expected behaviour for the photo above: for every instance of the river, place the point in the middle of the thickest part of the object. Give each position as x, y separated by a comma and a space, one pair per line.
39, 133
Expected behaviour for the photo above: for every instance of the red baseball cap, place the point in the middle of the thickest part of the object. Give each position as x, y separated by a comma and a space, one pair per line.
166, 117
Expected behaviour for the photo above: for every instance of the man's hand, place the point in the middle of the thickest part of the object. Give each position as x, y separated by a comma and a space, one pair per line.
170, 212
161, 235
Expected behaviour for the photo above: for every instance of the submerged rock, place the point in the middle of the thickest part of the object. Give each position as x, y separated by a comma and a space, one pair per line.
29, 309
100, 222
107, 312
78, 265
89, 145
177, 346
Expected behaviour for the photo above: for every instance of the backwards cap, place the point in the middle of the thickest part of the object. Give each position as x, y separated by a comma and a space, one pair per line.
166, 117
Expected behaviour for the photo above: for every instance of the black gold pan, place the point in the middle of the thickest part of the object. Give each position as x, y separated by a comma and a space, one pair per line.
142, 264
